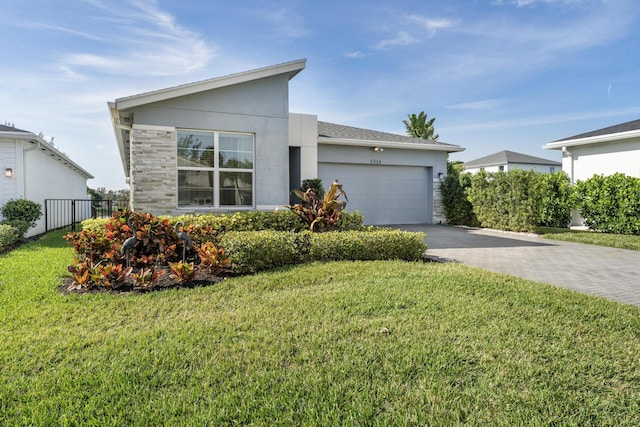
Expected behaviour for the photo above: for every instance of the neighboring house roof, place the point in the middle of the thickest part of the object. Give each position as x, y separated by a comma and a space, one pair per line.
611, 133
506, 157
36, 141
331, 133
5, 128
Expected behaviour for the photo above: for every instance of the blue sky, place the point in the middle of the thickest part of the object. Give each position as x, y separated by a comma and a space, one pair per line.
496, 74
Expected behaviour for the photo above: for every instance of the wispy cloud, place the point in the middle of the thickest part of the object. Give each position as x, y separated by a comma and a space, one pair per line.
432, 25
477, 105
402, 38
354, 55
145, 39
286, 22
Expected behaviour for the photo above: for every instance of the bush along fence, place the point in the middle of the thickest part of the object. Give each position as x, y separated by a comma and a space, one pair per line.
520, 200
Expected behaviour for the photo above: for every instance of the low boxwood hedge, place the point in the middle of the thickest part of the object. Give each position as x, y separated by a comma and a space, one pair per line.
255, 251
280, 220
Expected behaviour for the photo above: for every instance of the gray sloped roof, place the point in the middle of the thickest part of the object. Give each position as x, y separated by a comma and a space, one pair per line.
622, 127
5, 128
504, 157
332, 130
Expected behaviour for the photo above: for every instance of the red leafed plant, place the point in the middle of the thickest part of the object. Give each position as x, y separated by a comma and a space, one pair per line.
320, 214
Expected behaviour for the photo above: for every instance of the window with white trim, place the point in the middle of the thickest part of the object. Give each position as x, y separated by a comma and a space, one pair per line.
215, 169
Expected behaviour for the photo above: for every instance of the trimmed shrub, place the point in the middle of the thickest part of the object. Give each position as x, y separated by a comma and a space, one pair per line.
556, 201
17, 211
21, 226
252, 251
368, 245
255, 251
610, 203
8, 235
280, 220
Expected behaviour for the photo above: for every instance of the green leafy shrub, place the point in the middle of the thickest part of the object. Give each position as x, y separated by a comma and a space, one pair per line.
255, 251
280, 220
368, 245
252, 251
556, 200
610, 203
458, 210
506, 200
8, 235
17, 212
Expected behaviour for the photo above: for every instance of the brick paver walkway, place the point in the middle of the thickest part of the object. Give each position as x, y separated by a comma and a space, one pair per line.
607, 272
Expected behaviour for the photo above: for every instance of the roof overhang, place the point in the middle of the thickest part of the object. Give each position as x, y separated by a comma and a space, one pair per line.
290, 68
558, 145
37, 142
449, 148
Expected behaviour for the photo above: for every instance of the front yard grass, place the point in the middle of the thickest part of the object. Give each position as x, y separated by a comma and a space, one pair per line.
619, 241
343, 343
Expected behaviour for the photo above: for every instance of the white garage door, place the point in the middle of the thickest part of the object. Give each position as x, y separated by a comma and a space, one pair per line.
383, 194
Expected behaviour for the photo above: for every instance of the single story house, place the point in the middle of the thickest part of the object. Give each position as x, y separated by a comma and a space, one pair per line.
505, 161
230, 143
604, 151
33, 169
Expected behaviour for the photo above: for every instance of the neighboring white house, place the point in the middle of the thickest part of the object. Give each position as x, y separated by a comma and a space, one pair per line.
601, 152
33, 169
505, 161
230, 143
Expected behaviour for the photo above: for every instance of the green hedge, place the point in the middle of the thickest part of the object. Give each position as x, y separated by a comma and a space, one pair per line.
506, 200
8, 235
458, 210
556, 200
610, 203
280, 220
261, 250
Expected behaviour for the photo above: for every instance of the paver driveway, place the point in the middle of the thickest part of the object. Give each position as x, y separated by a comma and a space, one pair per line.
606, 272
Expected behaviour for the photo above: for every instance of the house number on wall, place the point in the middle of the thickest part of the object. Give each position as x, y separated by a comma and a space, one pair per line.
375, 161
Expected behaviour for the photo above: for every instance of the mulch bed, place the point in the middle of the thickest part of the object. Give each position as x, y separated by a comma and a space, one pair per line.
164, 282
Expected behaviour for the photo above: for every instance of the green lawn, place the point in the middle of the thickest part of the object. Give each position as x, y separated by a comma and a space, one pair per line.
620, 241
305, 345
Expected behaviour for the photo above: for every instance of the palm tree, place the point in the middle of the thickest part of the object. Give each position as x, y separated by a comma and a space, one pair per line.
419, 127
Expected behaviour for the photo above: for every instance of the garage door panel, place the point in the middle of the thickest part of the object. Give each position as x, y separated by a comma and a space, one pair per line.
383, 194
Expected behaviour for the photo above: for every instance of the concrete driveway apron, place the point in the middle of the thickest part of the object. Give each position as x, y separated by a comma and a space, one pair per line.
607, 272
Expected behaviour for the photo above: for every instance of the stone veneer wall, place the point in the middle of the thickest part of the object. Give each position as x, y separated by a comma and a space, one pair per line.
438, 206
153, 172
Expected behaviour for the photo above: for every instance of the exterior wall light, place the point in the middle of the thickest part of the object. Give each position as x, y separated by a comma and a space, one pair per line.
378, 149
440, 176
8, 172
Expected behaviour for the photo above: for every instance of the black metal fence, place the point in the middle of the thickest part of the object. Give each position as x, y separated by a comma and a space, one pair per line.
68, 213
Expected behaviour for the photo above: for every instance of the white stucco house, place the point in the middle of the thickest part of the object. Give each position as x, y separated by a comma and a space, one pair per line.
230, 143
505, 161
604, 151
33, 169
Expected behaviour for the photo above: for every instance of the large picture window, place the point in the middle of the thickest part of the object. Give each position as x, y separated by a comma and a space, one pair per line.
215, 169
